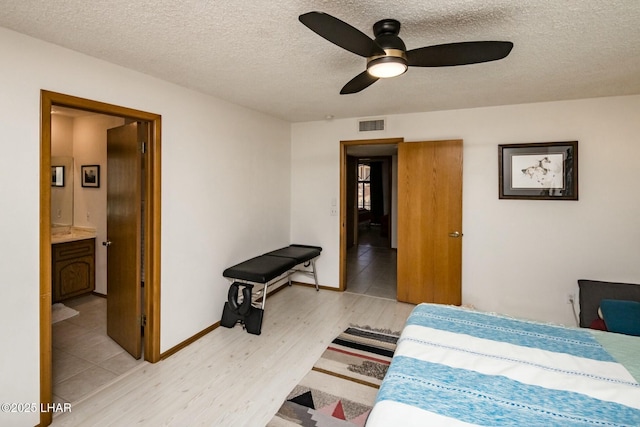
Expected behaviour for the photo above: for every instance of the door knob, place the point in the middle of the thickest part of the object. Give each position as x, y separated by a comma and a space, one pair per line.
107, 243
455, 234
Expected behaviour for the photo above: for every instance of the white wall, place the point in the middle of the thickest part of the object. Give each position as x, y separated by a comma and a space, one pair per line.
519, 257
225, 195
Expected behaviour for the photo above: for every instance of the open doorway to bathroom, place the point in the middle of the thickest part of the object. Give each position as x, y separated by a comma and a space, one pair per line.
80, 343
84, 355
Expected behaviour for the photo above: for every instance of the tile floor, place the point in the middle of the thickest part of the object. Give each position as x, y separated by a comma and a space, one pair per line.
84, 358
372, 265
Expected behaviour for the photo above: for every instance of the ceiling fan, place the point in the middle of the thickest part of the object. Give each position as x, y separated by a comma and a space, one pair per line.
387, 55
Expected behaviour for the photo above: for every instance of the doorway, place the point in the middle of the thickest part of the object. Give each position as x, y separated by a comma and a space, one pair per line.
150, 223
429, 218
367, 252
371, 256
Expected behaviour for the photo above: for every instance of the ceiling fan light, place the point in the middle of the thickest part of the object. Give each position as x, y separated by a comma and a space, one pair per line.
387, 66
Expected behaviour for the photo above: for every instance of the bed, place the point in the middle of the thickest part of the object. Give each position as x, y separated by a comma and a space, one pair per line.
458, 367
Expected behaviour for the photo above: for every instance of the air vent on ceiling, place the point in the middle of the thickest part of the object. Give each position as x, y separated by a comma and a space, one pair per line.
371, 125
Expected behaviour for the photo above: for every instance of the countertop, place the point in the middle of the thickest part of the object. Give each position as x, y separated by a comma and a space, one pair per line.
71, 234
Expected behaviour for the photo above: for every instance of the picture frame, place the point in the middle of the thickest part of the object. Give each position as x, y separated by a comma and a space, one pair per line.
57, 176
90, 176
539, 171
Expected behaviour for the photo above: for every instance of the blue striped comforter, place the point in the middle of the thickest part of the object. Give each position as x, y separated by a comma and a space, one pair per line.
455, 367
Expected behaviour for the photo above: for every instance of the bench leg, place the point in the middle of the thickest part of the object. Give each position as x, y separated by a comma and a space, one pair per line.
315, 276
264, 296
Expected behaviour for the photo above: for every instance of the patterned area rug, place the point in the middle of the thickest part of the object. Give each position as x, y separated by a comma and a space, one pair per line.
341, 387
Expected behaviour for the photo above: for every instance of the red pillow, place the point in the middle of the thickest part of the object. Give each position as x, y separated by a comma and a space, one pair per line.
598, 324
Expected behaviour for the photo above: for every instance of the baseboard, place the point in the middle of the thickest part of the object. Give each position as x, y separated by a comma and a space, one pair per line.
173, 350
274, 290
311, 285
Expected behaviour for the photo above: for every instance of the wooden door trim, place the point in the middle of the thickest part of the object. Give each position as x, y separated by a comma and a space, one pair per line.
152, 229
342, 278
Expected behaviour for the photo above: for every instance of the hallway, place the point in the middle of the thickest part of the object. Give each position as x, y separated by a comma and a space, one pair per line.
371, 265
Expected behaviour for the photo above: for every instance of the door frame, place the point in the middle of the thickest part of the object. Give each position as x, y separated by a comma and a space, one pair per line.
151, 230
343, 199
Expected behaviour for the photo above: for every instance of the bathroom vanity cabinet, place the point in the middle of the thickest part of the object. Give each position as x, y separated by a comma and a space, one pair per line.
73, 268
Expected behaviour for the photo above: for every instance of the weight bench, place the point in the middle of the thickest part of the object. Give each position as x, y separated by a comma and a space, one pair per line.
265, 269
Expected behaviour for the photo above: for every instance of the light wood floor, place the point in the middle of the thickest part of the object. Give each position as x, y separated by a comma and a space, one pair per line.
230, 377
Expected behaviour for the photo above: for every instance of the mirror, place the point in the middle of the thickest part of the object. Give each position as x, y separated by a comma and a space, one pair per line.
57, 176
61, 191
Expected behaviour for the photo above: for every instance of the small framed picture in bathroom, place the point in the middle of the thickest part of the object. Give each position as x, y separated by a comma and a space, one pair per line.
57, 176
90, 175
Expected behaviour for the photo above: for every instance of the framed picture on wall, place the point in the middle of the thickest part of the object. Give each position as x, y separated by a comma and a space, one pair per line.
90, 175
544, 171
57, 176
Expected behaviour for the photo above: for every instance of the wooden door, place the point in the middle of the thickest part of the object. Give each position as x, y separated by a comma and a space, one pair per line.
430, 222
124, 168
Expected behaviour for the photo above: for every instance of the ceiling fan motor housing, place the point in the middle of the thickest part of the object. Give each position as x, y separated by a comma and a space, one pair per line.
386, 32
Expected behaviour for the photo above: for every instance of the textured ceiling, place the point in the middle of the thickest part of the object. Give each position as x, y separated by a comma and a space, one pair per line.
259, 55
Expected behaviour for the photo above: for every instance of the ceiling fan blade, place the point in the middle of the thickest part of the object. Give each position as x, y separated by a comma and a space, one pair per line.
450, 54
340, 33
358, 83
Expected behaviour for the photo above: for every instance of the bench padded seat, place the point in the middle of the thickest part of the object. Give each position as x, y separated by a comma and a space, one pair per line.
260, 269
300, 253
